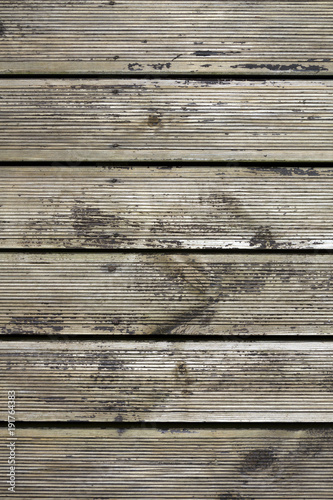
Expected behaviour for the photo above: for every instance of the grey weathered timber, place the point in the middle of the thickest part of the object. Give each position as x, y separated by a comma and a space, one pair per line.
165, 37
134, 119
172, 463
132, 293
168, 381
174, 207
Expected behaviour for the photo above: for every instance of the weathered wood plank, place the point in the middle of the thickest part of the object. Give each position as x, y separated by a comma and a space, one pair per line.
132, 36
87, 293
129, 119
168, 381
181, 463
179, 207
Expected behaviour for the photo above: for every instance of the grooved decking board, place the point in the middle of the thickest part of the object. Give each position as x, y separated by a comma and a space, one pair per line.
179, 207
131, 36
180, 463
110, 293
168, 381
132, 119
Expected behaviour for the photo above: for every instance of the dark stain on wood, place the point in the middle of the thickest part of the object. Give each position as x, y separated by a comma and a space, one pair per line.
154, 120
108, 363
43, 324
298, 68
258, 460
263, 238
135, 67
288, 171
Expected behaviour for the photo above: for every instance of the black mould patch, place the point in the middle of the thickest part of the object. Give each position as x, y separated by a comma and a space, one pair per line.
51, 323
160, 66
135, 67
258, 460
107, 363
288, 171
263, 238
89, 218
207, 53
283, 67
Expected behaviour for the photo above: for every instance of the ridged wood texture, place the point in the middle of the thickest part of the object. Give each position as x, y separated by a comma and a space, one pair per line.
165, 37
179, 207
132, 119
110, 293
169, 381
173, 463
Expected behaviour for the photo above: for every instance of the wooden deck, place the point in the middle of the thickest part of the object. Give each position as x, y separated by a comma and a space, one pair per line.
166, 120
166, 237
196, 37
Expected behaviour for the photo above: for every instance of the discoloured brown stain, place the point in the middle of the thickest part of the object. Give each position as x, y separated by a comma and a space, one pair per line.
258, 460
2, 29
111, 269
263, 238
154, 120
